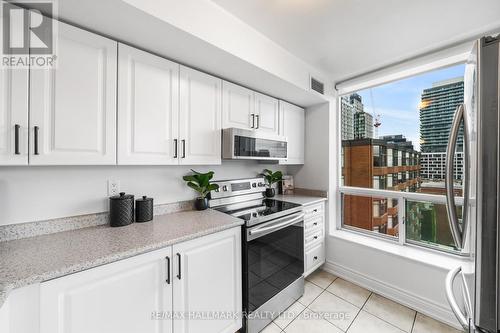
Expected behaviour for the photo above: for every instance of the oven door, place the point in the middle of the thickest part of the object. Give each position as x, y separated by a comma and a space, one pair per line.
274, 258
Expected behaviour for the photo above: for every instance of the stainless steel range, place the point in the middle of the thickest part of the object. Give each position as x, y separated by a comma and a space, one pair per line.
273, 249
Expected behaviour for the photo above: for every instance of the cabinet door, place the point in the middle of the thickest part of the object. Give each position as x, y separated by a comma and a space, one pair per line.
293, 128
200, 118
13, 116
148, 90
127, 296
73, 106
238, 106
267, 114
208, 282
13, 106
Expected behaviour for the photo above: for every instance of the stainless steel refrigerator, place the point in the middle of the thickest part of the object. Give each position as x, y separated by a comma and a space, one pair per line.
473, 290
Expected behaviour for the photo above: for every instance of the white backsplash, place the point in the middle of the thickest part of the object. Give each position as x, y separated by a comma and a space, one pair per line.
31, 194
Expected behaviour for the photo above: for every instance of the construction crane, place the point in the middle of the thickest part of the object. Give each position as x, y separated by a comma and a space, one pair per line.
377, 118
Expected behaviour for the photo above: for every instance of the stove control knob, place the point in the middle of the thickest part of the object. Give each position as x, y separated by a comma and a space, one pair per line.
254, 184
254, 214
217, 190
224, 188
261, 184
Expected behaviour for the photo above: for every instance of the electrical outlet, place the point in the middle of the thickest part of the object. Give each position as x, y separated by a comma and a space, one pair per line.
113, 187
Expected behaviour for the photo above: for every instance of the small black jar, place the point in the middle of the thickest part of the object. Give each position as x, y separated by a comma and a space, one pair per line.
144, 209
121, 210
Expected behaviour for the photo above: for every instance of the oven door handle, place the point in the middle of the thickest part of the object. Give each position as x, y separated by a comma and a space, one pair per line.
267, 229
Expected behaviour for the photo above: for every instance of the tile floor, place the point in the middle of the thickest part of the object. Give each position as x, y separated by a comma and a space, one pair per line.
349, 308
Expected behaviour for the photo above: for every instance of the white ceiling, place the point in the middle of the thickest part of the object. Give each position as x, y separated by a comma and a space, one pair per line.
345, 38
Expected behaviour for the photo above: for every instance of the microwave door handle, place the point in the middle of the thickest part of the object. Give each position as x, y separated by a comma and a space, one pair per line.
261, 230
450, 197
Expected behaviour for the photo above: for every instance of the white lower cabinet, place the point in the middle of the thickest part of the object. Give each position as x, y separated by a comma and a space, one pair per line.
116, 298
207, 284
174, 289
314, 237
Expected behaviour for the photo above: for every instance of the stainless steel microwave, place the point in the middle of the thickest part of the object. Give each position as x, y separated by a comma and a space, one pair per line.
241, 144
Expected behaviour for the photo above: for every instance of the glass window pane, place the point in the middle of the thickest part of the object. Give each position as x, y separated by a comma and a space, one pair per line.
427, 224
372, 214
403, 127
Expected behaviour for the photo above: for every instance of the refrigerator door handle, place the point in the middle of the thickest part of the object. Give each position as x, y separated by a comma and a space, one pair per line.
463, 319
451, 207
466, 179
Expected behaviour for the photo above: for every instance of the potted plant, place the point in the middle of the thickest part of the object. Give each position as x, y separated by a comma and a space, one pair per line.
271, 178
200, 182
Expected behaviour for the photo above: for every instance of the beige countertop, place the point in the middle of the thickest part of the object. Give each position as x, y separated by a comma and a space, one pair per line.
300, 199
41, 258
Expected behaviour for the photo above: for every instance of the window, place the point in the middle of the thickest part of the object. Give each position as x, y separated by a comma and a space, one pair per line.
379, 214
393, 157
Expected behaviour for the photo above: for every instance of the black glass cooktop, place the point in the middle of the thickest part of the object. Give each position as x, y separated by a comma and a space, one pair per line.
266, 209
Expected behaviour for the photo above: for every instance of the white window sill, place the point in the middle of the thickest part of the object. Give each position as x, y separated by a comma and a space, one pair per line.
422, 255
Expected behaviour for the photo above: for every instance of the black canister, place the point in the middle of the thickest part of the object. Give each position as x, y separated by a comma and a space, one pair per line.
121, 210
144, 209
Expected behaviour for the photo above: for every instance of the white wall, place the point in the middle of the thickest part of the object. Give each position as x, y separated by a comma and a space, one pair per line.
418, 285
200, 34
314, 174
213, 24
38, 193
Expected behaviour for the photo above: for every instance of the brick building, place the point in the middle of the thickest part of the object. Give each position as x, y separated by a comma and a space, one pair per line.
373, 163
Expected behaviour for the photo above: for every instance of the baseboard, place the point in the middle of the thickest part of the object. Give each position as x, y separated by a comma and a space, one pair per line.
415, 302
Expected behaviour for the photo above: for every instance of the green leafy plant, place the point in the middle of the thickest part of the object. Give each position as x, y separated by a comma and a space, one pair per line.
200, 182
272, 177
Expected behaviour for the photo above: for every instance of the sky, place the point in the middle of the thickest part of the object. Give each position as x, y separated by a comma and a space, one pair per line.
397, 102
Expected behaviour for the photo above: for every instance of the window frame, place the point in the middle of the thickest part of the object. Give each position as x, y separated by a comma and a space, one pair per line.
344, 89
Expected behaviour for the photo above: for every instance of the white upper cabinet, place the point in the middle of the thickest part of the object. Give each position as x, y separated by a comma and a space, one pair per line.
14, 116
148, 108
200, 118
238, 106
73, 106
266, 114
293, 128
208, 280
13, 109
247, 109
115, 298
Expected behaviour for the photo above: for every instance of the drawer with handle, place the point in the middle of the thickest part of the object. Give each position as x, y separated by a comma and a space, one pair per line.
313, 238
314, 210
315, 256
313, 224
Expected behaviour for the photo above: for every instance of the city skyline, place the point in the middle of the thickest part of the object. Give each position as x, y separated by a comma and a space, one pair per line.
398, 102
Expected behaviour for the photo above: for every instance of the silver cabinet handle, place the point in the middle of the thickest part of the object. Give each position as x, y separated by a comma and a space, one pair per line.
450, 277
175, 148
253, 120
183, 148
257, 121
451, 207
